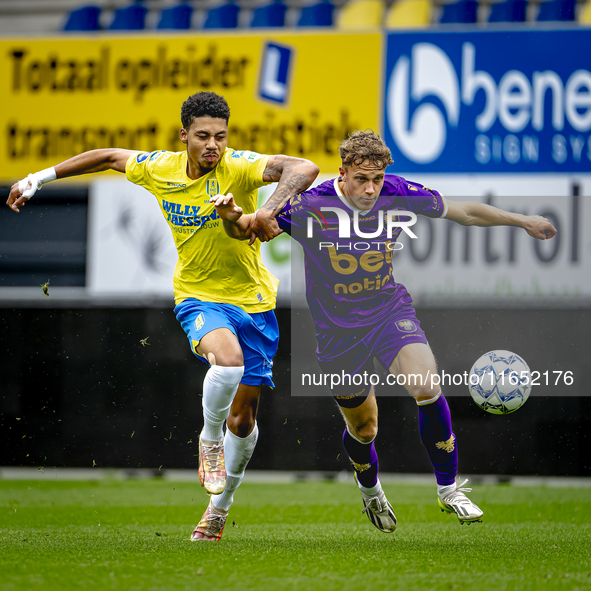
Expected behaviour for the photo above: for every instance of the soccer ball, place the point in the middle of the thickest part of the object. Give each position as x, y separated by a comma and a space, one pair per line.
500, 382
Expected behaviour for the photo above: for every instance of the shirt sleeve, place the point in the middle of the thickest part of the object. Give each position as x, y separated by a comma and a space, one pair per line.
292, 218
247, 169
425, 201
138, 168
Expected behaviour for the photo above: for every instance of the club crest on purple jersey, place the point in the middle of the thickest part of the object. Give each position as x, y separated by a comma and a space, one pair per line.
406, 326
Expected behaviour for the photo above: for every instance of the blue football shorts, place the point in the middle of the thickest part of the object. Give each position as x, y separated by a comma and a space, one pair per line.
258, 334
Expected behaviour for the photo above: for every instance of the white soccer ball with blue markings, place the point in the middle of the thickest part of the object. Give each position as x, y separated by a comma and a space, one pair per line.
500, 382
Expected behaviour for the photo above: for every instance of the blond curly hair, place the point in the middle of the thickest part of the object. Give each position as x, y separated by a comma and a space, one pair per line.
362, 146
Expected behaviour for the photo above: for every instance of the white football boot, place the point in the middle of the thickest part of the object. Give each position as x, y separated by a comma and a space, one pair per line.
212, 466
211, 526
457, 502
379, 511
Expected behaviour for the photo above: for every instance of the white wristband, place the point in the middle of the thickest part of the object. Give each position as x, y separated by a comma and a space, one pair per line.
28, 187
46, 175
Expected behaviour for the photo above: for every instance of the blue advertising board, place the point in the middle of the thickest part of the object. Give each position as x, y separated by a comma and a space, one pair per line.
489, 101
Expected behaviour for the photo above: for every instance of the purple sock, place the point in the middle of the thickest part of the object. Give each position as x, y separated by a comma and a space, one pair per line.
438, 439
364, 460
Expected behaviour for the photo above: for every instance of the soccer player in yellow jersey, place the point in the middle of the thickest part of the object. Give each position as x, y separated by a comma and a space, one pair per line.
224, 295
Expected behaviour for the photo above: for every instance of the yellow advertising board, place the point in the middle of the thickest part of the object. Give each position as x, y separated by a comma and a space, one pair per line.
297, 94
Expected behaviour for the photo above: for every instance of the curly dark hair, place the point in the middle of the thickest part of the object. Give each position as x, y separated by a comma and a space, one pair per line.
361, 146
204, 104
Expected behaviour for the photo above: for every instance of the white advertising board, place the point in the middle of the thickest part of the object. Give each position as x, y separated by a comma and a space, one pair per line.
131, 252
501, 262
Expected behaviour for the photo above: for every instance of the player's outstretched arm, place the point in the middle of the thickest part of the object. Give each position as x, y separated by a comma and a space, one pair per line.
92, 161
293, 175
472, 213
236, 224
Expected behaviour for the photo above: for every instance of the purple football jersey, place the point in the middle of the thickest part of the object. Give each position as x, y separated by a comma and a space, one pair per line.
348, 254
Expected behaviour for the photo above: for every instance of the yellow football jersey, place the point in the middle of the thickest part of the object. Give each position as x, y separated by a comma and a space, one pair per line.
211, 266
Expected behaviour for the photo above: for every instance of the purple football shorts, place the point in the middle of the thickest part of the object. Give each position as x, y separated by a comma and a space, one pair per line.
350, 352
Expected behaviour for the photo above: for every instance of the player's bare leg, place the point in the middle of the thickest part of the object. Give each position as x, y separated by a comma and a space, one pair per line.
358, 439
243, 413
435, 428
239, 443
222, 349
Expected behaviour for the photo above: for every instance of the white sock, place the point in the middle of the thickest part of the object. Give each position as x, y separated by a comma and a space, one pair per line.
442, 491
219, 388
237, 452
373, 491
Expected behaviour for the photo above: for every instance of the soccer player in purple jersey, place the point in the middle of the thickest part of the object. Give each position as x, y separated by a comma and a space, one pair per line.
360, 312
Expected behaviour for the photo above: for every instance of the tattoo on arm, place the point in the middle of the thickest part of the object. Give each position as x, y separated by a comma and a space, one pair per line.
292, 174
272, 172
291, 184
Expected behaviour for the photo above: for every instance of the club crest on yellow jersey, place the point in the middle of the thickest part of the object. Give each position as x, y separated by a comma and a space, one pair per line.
213, 187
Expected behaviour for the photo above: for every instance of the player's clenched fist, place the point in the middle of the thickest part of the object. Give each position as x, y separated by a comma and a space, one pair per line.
265, 226
539, 227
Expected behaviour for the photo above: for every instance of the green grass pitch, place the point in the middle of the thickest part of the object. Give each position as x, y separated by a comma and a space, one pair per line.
134, 534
